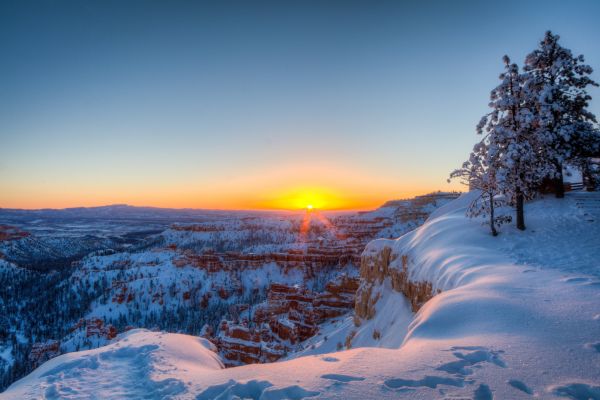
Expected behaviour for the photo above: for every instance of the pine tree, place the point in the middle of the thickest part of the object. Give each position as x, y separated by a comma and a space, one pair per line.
564, 130
479, 173
509, 132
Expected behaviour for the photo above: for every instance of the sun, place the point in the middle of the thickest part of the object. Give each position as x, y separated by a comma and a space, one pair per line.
309, 199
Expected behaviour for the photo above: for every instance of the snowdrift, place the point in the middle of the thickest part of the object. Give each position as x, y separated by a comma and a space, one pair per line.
511, 317
138, 364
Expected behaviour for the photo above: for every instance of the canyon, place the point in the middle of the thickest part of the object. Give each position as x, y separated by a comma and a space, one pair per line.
258, 286
445, 310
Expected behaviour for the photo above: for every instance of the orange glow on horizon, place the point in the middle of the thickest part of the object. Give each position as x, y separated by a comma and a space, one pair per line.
293, 187
277, 202
307, 199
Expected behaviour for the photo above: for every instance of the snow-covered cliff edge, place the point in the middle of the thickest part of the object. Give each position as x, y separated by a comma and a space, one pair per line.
516, 317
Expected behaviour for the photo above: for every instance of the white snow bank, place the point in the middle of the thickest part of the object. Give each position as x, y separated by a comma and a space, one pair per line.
139, 364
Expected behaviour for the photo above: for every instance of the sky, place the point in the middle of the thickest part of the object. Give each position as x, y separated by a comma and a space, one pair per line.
255, 105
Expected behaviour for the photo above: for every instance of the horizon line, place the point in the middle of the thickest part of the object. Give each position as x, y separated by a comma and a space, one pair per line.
223, 209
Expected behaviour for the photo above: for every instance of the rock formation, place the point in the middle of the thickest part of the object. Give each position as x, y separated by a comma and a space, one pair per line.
289, 316
42, 352
8, 232
379, 264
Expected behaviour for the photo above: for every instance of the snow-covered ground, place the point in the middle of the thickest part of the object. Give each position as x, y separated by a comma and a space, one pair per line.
140, 363
518, 317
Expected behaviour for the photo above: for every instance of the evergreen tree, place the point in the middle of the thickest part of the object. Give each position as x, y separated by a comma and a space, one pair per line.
479, 173
509, 132
564, 130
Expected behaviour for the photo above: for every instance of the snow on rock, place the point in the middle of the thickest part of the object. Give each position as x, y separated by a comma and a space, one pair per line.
42, 352
284, 322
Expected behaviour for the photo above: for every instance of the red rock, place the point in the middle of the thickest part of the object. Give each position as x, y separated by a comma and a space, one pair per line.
205, 300
96, 327
42, 352
289, 316
8, 232
315, 258
223, 293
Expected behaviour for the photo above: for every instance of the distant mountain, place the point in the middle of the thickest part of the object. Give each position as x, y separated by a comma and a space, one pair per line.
121, 211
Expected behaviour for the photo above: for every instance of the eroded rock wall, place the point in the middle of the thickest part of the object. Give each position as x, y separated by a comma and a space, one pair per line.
278, 326
379, 263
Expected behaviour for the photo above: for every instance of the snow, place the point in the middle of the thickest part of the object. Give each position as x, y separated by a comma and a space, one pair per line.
139, 361
6, 356
392, 318
574, 247
518, 317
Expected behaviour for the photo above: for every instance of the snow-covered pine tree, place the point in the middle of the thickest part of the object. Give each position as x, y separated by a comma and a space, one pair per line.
509, 140
564, 131
479, 173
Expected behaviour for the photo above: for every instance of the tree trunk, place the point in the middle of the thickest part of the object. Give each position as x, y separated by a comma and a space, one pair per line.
494, 232
559, 185
589, 183
520, 211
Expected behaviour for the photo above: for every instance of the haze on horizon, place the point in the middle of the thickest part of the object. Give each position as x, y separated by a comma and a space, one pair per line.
339, 105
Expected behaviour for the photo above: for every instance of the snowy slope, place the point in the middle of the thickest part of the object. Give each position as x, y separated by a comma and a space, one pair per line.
120, 267
518, 317
138, 362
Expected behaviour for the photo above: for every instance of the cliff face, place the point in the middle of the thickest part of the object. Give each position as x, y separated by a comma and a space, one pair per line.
380, 263
42, 352
312, 261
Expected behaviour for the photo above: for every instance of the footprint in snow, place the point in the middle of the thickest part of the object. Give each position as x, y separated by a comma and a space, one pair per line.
520, 386
342, 378
483, 392
431, 382
469, 357
578, 391
294, 392
254, 390
330, 359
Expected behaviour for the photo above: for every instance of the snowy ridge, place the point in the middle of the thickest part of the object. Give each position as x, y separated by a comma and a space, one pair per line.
138, 362
509, 323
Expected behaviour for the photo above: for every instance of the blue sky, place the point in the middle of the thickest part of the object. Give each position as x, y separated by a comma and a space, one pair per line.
236, 104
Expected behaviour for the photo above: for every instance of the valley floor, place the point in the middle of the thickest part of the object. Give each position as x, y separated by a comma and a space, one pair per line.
518, 317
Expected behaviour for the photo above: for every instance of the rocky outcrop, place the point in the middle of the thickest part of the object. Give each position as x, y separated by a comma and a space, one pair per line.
336, 300
310, 261
289, 316
239, 344
8, 232
42, 352
95, 327
380, 264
